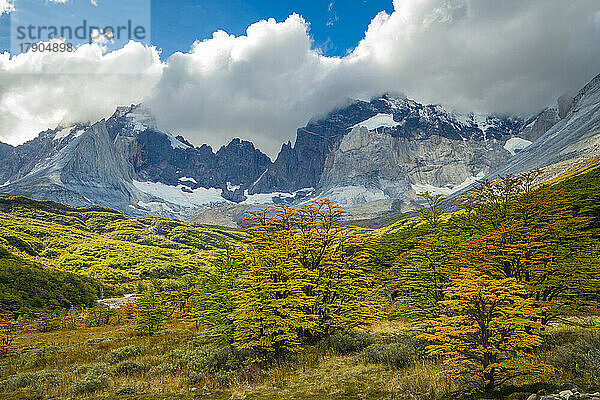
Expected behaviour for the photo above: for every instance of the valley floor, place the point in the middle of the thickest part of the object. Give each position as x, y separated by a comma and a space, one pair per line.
126, 366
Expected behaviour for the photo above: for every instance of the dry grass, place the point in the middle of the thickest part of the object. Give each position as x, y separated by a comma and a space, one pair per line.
317, 374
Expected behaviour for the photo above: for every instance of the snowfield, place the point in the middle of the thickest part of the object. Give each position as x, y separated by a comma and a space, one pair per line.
378, 121
175, 194
516, 144
421, 188
351, 195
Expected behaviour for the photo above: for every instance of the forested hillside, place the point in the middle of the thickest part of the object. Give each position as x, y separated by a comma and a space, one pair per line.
495, 296
105, 244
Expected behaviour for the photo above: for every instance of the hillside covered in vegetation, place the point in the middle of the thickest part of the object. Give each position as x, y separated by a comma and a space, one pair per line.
104, 244
493, 297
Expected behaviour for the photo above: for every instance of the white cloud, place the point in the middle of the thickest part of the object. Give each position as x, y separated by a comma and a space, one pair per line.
269, 81
102, 39
512, 56
40, 90
509, 56
333, 17
6, 6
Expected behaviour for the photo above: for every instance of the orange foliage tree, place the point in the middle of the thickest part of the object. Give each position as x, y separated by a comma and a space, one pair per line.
485, 331
518, 229
9, 329
303, 277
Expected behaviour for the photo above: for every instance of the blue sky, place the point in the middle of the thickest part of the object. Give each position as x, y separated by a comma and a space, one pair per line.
336, 26
484, 56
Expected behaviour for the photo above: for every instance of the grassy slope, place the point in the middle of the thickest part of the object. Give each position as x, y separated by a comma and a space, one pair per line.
106, 244
26, 285
581, 187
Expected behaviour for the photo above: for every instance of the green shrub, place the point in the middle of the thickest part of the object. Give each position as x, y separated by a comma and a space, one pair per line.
581, 358
150, 314
412, 340
122, 353
560, 338
39, 358
219, 365
130, 367
94, 341
97, 368
95, 378
395, 355
348, 342
165, 368
125, 391
42, 381
218, 359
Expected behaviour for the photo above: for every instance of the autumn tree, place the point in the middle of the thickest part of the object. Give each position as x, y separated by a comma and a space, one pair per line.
150, 313
211, 305
486, 332
9, 329
304, 277
424, 267
520, 229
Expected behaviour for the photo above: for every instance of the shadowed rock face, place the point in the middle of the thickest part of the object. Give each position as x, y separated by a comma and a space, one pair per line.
16, 162
86, 170
380, 152
540, 124
575, 137
419, 134
82, 164
159, 157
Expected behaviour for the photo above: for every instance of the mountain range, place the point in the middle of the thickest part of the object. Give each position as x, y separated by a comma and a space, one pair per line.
372, 157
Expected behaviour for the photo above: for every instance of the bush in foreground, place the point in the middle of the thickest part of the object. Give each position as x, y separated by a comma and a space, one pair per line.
122, 353
44, 381
95, 378
394, 355
581, 358
348, 342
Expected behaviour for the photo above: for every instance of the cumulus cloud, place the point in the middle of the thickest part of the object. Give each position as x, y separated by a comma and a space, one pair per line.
512, 56
41, 90
269, 81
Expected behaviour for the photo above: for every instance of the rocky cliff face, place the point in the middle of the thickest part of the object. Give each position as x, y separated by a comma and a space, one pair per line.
571, 141
87, 170
369, 156
159, 157
540, 124
19, 161
391, 149
403, 144
126, 163
374, 165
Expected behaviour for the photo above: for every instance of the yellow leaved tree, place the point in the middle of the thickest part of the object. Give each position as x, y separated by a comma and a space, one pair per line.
303, 277
9, 329
486, 332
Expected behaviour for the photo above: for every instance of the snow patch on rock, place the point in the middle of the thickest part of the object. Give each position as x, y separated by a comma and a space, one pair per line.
177, 195
350, 195
176, 144
185, 178
516, 144
268, 198
232, 188
421, 188
378, 121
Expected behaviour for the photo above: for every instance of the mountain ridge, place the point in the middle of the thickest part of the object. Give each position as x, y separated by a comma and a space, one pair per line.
372, 157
